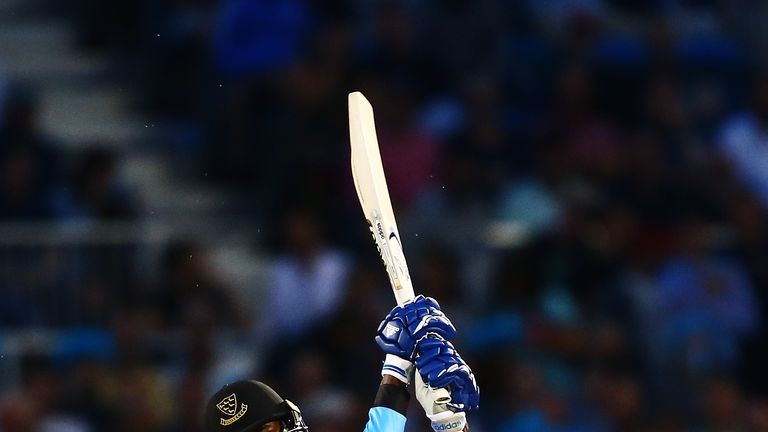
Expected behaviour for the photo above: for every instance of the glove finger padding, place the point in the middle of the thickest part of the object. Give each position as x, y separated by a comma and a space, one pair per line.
441, 366
424, 316
471, 396
433, 346
434, 357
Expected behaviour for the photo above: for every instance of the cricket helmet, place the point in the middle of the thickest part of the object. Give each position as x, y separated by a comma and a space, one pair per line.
246, 406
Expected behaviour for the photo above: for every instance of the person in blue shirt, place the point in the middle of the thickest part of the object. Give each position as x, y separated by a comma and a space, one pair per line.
415, 337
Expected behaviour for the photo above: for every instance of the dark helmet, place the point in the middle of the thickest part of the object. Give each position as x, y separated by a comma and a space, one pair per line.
246, 406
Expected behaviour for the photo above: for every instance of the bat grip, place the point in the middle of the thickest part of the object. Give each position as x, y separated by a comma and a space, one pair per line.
404, 294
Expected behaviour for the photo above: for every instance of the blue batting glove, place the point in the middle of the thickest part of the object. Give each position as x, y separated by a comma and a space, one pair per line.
406, 324
441, 366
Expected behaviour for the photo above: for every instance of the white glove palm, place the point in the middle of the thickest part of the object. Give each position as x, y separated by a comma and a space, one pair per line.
434, 402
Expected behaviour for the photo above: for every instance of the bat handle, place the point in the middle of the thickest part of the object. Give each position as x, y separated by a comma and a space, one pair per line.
404, 294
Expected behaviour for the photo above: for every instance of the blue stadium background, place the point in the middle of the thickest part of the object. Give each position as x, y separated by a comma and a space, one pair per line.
582, 184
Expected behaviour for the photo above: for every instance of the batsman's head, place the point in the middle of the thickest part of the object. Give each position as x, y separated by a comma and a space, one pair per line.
251, 406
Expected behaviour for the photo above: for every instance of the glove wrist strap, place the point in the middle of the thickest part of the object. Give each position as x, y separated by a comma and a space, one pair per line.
397, 367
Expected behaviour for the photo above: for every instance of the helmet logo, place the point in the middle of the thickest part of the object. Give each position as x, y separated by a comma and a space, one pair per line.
228, 406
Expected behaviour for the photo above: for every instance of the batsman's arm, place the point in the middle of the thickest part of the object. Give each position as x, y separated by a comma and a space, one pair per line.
389, 407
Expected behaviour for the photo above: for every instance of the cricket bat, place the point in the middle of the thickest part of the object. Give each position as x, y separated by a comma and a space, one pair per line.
371, 186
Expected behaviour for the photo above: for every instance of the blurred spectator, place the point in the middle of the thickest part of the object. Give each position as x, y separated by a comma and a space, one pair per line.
35, 400
758, 416
112, 26
194, 374
580, 184
542, 405
5, 90
257, 37
693, 314
743, 140
723, 406
707, 305
191, 290
22, 194
323, 405
307, 281
368, 299
97, 192
400, 141
437, 276
29, 165
176, 54
623, 403
141, 400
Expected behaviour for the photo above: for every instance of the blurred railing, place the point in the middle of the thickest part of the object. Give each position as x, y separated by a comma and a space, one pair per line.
57, 279
61, 274
79, 233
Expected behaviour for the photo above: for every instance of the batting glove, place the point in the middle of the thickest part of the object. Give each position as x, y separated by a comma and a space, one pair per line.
435, 404
440, 366
405, 325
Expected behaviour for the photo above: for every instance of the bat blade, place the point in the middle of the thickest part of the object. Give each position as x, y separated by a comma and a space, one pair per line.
371, 186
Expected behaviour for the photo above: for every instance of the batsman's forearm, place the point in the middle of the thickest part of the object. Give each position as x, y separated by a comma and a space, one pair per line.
389, 408
393, 394
389, 379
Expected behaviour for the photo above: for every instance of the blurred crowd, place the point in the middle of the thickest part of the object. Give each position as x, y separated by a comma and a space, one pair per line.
583, 185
